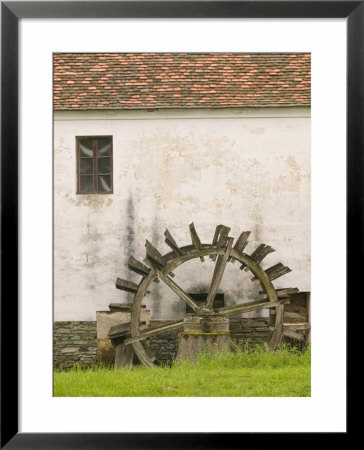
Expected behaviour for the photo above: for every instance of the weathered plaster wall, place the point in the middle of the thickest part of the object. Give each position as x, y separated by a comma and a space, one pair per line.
248, 169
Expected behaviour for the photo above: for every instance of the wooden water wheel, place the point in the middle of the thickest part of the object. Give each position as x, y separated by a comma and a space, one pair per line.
160, 267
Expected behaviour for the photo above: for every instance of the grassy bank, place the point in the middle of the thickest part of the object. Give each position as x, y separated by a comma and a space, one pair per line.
258, 373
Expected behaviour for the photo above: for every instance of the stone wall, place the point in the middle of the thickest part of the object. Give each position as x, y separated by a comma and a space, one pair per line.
243, 331
165, 346
74, 343
246, 331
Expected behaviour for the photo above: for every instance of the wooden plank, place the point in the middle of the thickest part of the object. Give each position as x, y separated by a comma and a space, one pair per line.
148, 351
293, 335
296, 326
216, 235
281, 292
154, 258
154, 255
218, 273
241, 243
259, 254
221, 238
122, 329
126, 285
119, 330
175, 288
248, 307
172, 243
124, 307
138, 267
276, 271
195, 239
274, 268
294, 315
165, 328
123, 356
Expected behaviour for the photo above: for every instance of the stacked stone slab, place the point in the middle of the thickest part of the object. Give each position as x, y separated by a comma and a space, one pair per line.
74, 344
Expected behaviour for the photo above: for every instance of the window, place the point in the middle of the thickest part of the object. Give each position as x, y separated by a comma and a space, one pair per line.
94, 165
200, 299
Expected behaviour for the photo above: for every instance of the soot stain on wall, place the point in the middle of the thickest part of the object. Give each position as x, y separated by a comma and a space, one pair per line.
155, 242
130, 236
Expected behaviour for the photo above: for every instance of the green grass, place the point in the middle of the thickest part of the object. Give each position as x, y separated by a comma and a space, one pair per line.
257, 373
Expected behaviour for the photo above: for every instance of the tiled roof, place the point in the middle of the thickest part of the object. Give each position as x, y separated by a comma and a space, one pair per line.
86, 81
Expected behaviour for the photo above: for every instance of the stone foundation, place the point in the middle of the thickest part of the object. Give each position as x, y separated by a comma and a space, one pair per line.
74, 343
243, 332
252, 331
165, 346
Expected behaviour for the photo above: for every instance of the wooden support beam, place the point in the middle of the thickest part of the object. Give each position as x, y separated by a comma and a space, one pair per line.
249, 306
175, 288
282, 292
165, 328
124, 355
218, 273
241, 243
195, 239
172, 243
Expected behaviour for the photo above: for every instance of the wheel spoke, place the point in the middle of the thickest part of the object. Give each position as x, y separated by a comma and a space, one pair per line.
175, 288
218, 273
166, 327
249, 306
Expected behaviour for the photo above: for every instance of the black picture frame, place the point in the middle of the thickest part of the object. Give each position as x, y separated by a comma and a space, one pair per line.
11, 12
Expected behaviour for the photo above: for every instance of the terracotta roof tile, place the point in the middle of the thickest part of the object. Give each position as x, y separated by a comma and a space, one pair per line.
85, 81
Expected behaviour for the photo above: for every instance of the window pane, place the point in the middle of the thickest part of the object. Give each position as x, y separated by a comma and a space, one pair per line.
103, 165
103, 147
86, 148
104, 182
86, 183
86, 166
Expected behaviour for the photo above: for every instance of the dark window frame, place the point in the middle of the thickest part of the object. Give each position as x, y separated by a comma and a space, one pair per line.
95, 159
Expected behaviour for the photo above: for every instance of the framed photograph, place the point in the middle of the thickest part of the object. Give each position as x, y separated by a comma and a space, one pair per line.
138, 140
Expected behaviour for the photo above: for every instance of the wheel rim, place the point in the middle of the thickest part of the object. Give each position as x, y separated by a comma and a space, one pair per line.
174, 260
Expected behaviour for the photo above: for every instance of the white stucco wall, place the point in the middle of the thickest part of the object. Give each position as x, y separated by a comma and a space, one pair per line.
248, 169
